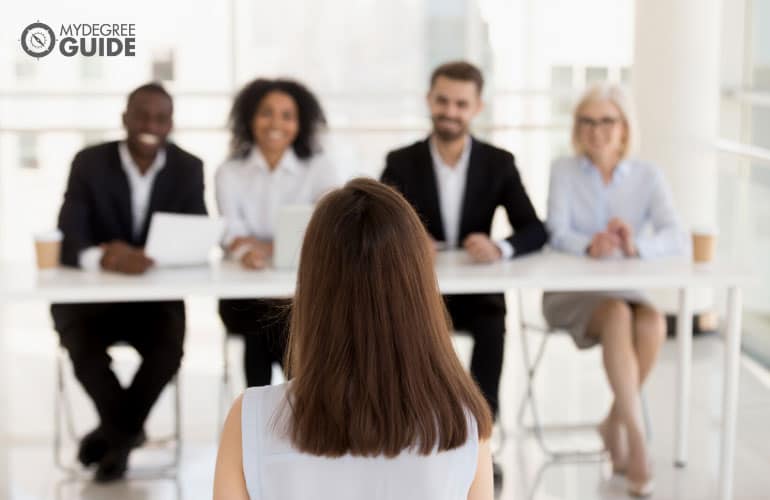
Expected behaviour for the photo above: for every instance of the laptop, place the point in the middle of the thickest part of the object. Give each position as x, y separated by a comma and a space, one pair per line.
183, 239
290, 228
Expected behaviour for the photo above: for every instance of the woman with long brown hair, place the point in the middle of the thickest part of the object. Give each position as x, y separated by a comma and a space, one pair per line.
378, 405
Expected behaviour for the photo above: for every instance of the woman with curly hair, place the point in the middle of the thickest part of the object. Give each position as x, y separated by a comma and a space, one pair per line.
275, 160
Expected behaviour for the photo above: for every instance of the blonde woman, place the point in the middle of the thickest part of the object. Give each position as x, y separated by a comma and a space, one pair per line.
605, 204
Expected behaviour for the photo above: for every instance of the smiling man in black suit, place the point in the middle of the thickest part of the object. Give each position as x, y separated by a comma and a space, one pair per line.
456, 182
112, 192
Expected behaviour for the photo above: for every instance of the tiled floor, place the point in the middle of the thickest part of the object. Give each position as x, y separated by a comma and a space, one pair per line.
571, 386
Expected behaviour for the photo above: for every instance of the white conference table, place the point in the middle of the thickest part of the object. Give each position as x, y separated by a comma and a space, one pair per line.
456, 274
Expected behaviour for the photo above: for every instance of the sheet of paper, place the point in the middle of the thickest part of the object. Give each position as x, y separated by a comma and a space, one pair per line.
182, 239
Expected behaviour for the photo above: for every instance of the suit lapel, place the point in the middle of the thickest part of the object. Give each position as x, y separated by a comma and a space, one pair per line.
428, 180
474, 187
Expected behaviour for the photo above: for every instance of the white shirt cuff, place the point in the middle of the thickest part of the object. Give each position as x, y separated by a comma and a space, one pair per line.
90, 259
506, 249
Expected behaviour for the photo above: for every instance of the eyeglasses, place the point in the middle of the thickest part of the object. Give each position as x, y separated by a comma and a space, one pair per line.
603, 123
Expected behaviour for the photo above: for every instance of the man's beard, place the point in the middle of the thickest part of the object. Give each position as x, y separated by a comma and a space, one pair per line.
447, 135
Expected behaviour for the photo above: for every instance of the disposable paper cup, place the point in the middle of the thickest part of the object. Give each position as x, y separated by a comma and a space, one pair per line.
48, 249
704, 242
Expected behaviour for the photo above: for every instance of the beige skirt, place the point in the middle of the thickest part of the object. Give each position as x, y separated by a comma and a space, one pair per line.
572, 311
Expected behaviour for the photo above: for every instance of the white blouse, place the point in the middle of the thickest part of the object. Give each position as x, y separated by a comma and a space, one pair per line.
580, 205
275, 470
249, 194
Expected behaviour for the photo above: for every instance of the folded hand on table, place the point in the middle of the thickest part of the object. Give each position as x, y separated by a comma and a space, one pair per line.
603, 244
252, 253
123, 258
481, 248
625, 233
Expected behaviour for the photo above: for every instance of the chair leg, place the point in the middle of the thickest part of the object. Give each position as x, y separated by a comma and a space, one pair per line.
64, 417
173, 440
530, 368
530, 400
177, 422
225, 388
57, 411
69, 418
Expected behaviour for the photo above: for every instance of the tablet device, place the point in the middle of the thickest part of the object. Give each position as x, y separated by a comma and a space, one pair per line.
182, 239
289, 232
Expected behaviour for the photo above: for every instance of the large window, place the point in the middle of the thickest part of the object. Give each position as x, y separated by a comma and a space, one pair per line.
760, 72
745, 166
369, 62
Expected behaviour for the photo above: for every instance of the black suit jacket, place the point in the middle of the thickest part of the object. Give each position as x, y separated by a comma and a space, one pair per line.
492, 181
97, 209
97, 202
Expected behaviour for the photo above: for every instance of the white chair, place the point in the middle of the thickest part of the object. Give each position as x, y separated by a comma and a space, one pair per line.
226, 392
529, 400
225, 385
64, 423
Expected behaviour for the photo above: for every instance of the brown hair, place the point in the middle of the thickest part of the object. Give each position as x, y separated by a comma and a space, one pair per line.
374, 368
459, 70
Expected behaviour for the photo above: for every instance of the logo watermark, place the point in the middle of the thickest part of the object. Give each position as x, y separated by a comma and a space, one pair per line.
38, 39
89, 40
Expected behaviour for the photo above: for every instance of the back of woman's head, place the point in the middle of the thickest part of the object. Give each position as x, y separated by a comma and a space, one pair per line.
370, 351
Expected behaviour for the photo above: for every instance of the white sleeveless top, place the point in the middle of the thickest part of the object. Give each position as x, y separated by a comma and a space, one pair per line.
275, 470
